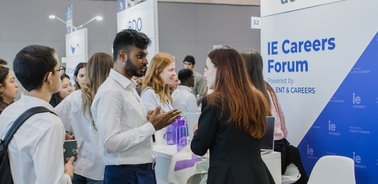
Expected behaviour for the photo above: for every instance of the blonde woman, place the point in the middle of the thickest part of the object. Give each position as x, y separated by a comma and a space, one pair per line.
75, 112
159, 76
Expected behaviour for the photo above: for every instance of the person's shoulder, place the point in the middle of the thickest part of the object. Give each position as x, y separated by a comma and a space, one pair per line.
45, 121
196, 74
110, 86
178, 90
77, 93
74, 96
148, 92
175, 92
204, 100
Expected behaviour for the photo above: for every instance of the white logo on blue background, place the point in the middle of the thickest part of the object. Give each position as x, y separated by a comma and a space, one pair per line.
332, 128
357, 121
310, 151
358, 161
356, 158
356, 101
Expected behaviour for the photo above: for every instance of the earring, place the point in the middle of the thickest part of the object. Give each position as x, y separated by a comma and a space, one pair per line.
1, 94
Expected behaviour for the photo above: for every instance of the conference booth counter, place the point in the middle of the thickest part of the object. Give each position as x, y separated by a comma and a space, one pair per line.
185, 166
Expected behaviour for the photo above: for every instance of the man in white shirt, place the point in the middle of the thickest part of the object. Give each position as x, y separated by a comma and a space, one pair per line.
124, 128
183, 98
36, 150
199, 82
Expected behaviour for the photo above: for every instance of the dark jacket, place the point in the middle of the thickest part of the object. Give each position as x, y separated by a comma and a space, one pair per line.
234, 155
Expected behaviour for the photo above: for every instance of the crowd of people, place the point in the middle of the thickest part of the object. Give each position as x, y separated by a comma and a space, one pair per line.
121, 103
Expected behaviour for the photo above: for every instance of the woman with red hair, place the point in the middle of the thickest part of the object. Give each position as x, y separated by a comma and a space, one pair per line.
232, 121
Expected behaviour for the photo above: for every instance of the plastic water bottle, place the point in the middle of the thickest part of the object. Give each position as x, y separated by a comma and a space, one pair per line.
181, 134
171, 134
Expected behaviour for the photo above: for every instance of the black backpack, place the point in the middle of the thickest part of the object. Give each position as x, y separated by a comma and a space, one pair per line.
5, 170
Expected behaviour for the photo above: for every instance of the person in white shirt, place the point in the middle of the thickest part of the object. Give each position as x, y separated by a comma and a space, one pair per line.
156, 84
36, 150
75, 112
183, 98
125, 129
159, 77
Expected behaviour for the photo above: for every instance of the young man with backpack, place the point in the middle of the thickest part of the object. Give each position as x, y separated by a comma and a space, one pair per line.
36, 149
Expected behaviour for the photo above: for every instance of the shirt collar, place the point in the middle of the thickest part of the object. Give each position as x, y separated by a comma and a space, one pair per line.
37, 101
122, 80
185, 88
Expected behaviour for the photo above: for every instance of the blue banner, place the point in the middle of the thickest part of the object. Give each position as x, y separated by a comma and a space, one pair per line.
69, 24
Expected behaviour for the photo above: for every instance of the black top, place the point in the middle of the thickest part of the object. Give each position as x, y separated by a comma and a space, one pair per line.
234, 155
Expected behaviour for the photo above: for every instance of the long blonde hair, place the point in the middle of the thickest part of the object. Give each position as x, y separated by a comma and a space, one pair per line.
152, 78
97, 70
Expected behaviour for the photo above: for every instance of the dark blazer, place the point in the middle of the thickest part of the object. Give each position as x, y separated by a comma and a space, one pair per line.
234, 155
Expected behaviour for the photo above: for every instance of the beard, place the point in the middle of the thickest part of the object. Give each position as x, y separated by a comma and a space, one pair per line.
132, 69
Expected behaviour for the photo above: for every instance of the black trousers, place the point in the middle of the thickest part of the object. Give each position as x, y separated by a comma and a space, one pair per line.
290, 154
123, 174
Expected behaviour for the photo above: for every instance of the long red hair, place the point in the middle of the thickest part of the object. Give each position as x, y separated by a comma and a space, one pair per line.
235, 94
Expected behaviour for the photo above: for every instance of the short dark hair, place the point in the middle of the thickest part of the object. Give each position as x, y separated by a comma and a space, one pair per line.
127, 38
189, 58
32, 64
184, 74
3, 62
64, 76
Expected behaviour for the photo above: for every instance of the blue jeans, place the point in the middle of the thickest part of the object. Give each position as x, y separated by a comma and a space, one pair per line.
78, 179
123, 174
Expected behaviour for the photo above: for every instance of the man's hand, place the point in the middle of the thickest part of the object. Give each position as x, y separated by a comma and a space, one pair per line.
160, 120
149, 113
69, 168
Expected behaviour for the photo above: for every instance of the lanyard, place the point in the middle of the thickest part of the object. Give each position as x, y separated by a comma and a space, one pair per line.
170, 107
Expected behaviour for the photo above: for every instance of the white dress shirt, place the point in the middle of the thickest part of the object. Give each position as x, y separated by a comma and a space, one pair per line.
89, 163
36, 150
125, 134
184, 100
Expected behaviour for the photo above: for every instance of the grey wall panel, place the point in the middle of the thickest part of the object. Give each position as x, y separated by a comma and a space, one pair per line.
179, 50
99, 47
11, 48
26, 22
184, 28
111, 19
188, 28
177, 22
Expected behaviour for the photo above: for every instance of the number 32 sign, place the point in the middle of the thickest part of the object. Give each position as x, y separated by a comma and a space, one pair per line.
255, 22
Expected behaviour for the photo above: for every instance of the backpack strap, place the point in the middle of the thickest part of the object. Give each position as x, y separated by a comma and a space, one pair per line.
21, 119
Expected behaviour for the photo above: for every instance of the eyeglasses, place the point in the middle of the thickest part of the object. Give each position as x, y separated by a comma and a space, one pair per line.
61, 70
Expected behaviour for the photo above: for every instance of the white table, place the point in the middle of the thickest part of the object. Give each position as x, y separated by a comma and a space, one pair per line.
164, 154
